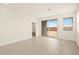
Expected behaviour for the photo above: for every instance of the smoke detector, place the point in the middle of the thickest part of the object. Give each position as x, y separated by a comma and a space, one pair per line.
49, 9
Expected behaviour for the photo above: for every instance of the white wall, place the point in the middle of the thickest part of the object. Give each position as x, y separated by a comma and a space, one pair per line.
78, 31
38, 27
18, 26
14, 26
67, 35
78, 39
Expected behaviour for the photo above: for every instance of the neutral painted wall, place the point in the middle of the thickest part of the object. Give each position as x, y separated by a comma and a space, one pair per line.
38, 28
18, 26
66, 35
78, 39
77, 31
14, 26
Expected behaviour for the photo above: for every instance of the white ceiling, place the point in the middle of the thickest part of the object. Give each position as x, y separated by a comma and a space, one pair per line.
40, 9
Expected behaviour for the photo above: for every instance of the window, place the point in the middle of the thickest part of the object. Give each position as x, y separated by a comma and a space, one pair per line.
52, 25
68, 24
52, 28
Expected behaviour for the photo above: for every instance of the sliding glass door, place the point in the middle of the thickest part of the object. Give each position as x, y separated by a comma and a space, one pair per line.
52, 28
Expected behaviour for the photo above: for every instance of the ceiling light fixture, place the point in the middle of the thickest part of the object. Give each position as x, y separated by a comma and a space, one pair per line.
49, 9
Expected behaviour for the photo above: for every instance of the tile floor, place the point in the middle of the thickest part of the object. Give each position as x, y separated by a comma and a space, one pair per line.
41, 46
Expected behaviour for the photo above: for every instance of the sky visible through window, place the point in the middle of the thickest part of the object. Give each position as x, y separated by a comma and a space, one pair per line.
52, 23
68, 22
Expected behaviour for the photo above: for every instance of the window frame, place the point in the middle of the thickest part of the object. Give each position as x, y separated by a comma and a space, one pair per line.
72, 23
54, 20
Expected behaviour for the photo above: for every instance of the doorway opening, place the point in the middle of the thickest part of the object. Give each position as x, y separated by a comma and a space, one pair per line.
33, 29
50, 28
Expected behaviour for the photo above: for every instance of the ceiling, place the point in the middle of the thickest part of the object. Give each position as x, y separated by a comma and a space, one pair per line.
40, 9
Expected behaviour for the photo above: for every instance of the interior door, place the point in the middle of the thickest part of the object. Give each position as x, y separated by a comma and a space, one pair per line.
33, 29
44, 28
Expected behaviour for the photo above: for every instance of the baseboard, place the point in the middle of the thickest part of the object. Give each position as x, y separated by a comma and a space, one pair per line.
11, 42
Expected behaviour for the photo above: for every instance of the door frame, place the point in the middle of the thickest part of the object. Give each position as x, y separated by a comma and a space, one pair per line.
34, 29
57, 25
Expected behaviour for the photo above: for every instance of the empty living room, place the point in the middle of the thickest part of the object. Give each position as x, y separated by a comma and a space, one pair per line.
39, 28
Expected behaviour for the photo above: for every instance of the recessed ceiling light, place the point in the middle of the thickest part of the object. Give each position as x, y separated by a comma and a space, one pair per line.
49, 9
